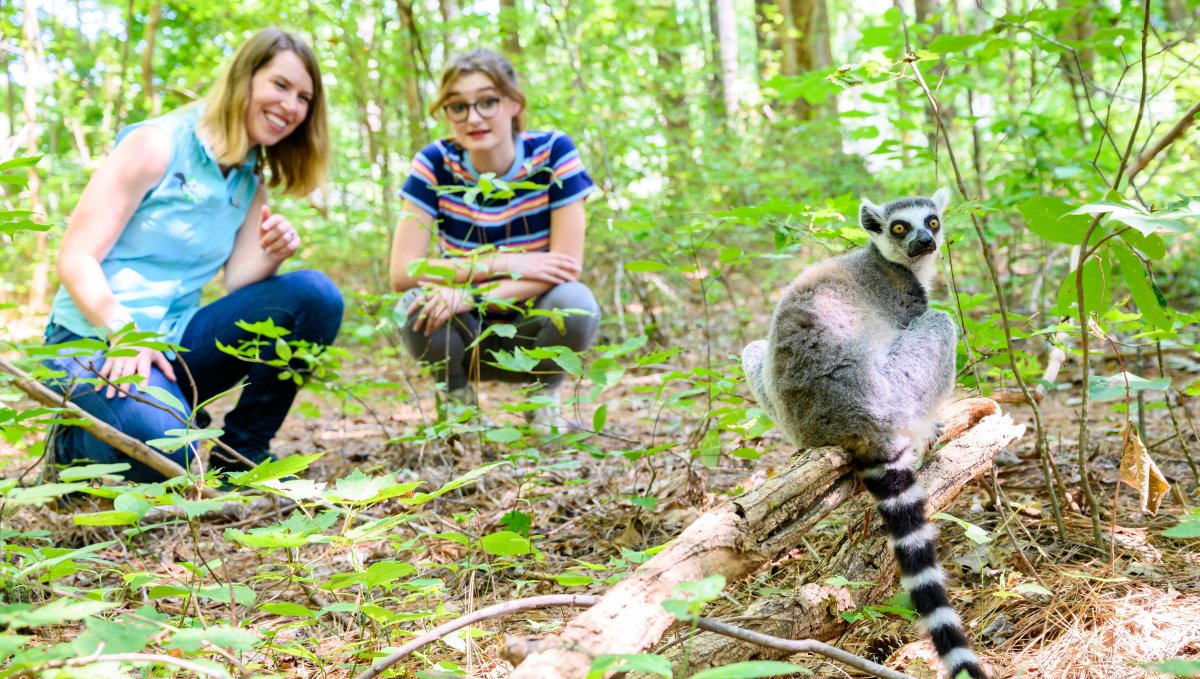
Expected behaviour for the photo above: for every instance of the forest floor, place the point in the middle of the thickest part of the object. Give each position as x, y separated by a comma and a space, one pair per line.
1100, 619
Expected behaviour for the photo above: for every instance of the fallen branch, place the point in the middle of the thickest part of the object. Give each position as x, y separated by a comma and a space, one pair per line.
156, 658
584, 601
814, 609
123, 442
737, 538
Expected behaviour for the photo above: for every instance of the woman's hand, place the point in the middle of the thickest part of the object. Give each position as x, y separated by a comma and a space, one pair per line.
548, 267
436, 306
115, 368
276, 235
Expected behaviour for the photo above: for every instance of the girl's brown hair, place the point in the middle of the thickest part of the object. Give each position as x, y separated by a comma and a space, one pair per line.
298, 161
492, 64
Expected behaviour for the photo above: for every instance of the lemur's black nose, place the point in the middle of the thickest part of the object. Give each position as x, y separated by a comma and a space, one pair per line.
921, 244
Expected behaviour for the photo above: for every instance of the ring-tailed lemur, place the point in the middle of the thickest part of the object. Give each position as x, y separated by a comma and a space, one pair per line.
856, 358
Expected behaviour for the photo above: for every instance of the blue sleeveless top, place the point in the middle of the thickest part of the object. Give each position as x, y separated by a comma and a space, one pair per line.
181, 234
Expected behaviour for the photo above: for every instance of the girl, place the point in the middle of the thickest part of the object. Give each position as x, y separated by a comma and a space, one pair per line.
180, 197
534, 238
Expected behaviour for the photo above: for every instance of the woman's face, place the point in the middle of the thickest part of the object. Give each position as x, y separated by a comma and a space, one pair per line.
280, 94
481, 117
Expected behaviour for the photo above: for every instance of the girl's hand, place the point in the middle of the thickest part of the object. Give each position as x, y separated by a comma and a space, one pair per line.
116, 368
276, 235
437, 306
548, 267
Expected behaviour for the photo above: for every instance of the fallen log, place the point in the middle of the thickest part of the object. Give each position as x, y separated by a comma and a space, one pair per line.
760, 525
96, 427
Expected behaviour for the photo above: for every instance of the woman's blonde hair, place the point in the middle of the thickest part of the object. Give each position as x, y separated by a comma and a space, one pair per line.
495, 66
298, 161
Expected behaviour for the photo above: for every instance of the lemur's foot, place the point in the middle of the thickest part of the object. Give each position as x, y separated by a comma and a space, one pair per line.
939, 428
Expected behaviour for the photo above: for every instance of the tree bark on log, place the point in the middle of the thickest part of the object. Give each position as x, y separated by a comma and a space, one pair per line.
760, 525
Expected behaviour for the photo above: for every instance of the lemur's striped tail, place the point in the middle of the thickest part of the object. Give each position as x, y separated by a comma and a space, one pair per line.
901, 502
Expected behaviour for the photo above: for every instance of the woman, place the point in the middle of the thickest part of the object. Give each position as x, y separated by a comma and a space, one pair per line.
527, 248
180, 197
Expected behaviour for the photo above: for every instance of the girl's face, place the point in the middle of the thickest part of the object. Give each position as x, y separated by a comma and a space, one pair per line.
480, 116
280, 94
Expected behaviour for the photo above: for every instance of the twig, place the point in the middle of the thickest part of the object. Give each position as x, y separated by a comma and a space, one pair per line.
801, 646
515, 606
1040, 434
96, 427
1008, 530
124, 657
1142, 159
586, 601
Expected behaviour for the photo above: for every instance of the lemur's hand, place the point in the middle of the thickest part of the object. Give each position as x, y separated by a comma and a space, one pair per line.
549, 267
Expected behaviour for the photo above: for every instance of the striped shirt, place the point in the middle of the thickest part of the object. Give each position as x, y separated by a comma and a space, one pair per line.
444, 184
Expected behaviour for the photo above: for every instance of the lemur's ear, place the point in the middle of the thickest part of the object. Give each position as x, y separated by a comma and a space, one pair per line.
870, 216
940, 198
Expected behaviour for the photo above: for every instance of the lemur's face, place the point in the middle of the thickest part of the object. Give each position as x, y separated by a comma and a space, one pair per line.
908, 230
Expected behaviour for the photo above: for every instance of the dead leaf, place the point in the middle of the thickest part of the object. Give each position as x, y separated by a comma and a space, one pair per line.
1139, 472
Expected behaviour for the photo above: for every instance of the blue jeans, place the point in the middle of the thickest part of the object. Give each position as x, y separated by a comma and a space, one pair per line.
305, 302
448, 344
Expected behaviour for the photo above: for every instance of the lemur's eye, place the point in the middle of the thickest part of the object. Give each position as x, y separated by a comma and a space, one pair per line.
899, 228
934, 224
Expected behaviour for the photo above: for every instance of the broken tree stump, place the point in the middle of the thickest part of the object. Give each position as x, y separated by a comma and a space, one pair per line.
760, 525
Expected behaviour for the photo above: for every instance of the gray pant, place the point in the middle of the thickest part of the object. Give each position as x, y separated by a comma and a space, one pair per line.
447, 345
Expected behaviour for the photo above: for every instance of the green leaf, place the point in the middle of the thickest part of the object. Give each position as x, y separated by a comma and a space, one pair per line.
602, 665
1188, 527
504, 330
1111, 388
518, 362
600, 417
605, 372
91, 471
975, 533
128, 502
1095, 290
752, 669
1177, 667
573, 579
503, 435
241, 594
288, 609
110, 518
178, 438
42, 493
165, 397
946, 43
1048, 217
275, 469
17, 163
1139, 287
506, 543
382, 573
54, 613
191, 640
1033, 588
644, 266
11, 643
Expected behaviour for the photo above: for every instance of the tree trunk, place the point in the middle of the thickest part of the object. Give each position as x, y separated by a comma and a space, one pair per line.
151, 34
449, 12
510, 22
414, 102
34, 65
810, 48
114, 113
727, 43
737, 538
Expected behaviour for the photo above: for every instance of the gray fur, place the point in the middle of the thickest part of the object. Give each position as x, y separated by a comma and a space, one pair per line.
855, 356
